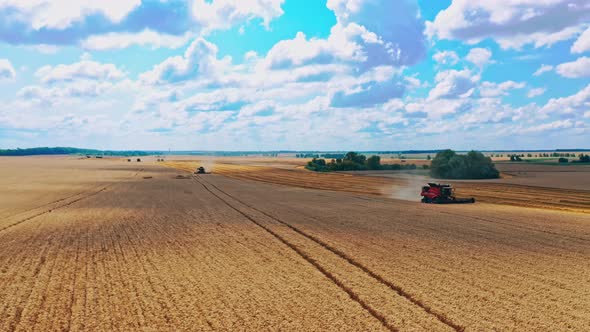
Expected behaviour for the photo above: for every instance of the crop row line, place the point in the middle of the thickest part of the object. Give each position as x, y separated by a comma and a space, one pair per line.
307, 258
399, 290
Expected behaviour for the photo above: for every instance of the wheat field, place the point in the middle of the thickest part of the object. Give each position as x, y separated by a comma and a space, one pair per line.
106, 245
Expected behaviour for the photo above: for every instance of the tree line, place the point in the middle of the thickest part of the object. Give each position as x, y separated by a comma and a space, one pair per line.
66, 150
446, 164
582, 158
353, 161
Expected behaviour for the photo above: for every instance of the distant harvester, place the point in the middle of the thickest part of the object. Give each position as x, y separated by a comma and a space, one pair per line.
200, 170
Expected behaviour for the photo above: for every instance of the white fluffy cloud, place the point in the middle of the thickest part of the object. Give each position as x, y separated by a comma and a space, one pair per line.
360, 77
340, 46
358, 39
61, 14
555, 125
535, 92
436, 109
486, 110
454, 84
222, 14
200, 59
368, 95
491, 89
401, 37
543, 69
575, 69
479, 56
113, 24
582, 44
446, 57
85, 69
147, 37
576, 103
50, 94
511, 23
7, 72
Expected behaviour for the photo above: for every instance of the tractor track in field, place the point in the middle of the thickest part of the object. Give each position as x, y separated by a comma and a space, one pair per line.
397, 289
307, 258
84, 195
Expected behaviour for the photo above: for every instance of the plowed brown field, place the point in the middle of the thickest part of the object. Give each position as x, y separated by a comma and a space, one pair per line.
134, 246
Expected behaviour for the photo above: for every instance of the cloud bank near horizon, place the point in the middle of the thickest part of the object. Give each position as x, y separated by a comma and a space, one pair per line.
295, 75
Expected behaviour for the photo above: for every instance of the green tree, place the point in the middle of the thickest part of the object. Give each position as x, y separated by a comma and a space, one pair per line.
448, 164
355, 157
374, 163
440, 164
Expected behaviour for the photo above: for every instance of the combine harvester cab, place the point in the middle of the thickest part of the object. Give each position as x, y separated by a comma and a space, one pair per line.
201, 170
436, 193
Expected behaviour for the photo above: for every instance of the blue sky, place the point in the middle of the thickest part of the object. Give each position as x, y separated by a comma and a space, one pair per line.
295, 74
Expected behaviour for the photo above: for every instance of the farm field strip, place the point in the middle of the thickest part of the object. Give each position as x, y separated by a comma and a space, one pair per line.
575, 234
46, 204
372, 291
498, 219
29, 183
528, 196
156, 254
482, 276
494, 264
298, 178
507, 222
159, 251
318, 266
66, 198
487, 192
59, 206
54, 205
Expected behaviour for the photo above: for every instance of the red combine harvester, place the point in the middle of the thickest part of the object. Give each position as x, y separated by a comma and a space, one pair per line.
201, 170
442, 194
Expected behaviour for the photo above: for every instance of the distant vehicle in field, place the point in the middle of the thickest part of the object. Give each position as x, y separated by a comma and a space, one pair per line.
436, 193
200, 170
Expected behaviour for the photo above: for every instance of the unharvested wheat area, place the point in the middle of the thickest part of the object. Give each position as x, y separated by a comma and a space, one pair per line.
261, 244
